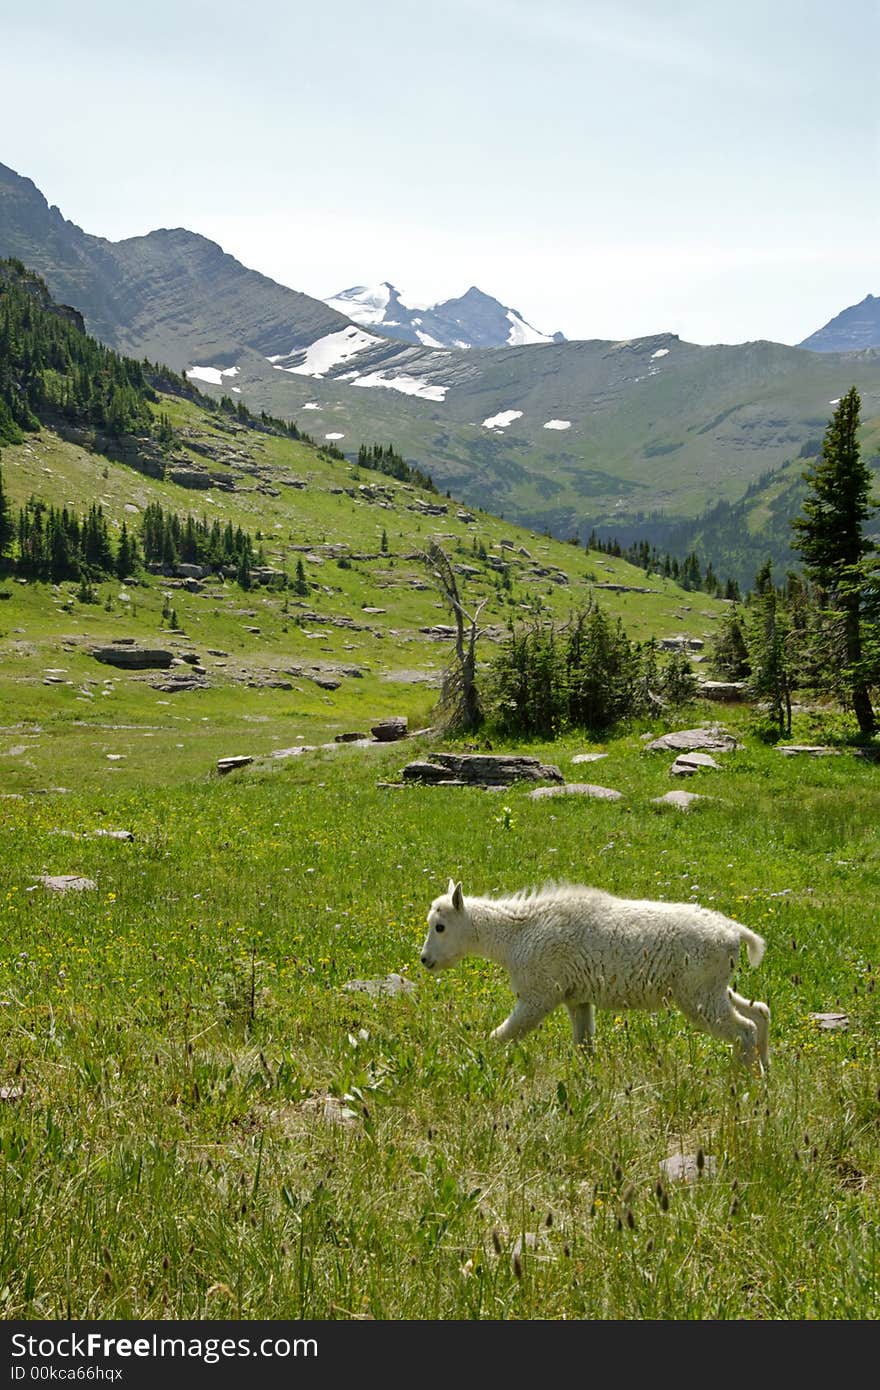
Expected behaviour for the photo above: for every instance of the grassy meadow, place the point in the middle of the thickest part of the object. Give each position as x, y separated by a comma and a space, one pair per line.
203, 1121
203, 1114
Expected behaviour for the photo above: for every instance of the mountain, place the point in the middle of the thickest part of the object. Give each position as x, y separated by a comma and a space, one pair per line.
473, 320
629, 438
851, 330
171, 296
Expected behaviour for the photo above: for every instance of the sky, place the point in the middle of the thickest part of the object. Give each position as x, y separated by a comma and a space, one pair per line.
608, 168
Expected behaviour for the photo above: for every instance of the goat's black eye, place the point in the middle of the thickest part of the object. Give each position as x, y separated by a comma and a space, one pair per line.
439, 926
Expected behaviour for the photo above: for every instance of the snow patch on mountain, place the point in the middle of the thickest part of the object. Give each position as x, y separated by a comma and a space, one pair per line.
502, 419
557, 425
213, 375
363, 303
408, 385
522, 332
474, 319
661, 352
327, 352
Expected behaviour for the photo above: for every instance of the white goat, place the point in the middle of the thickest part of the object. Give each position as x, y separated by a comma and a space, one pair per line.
586, 949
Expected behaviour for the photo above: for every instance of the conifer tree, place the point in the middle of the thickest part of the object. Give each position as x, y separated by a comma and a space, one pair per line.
830, 536
7, 526
766, 631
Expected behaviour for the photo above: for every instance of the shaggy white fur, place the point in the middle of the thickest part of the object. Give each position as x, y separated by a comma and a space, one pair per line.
586, 949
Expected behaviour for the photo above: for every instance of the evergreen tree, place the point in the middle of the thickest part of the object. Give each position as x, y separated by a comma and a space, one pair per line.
766, 631
730, 653
831, 540
7, 527
300, 584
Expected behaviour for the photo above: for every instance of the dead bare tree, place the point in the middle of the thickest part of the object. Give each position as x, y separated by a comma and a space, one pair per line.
459, 696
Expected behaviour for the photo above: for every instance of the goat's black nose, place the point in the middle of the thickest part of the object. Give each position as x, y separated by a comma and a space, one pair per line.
424, 960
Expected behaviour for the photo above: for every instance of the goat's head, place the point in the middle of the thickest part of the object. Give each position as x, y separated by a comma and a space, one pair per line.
449, 936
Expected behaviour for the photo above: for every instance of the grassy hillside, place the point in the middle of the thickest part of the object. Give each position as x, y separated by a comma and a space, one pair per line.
651, 440
361, 622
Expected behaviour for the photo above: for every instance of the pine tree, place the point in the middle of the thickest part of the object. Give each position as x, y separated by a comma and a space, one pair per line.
830, 537
7, 526
766, 631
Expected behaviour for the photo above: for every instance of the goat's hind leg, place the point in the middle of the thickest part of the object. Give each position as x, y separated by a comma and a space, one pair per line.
760, 1016
583, 1023
717, 1015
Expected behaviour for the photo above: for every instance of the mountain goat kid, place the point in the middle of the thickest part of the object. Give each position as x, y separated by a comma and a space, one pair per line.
586, 949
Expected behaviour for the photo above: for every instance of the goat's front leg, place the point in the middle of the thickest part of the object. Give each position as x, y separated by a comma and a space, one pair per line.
583, 1023
525, 1016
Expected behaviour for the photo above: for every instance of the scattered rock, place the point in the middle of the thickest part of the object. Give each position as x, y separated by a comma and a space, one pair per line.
390, 730
689, 1167
225, 765
11, 1093
387, 984
685, 740
67, 883
292, 752
627, 589
722, 690
679, 643
578, 789
133, 658
115, 834
812, 750
683, 800
588, 757
831, 1023
686, 764
481, 769
330, 1108
193, 681
351, 738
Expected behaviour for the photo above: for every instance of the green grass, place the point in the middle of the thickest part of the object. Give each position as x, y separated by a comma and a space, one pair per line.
211, 1125
199, 1120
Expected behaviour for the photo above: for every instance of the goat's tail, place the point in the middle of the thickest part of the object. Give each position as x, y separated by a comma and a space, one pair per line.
755, 946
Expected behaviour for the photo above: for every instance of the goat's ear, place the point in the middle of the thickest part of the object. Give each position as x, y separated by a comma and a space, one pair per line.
451, 889
457, 896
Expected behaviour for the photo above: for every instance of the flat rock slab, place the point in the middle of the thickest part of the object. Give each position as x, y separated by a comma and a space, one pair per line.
133, 658
385, 984
686, 764
225, 765
689, 1167
389, 730
722, 690
115, 834
329, 1108
683, 800
812, 750
481, 769
686, 740
293, 752
831, 1023
588, 757
67, 883
578, 789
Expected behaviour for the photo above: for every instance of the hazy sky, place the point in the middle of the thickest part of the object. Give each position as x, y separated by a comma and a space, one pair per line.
608, 169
